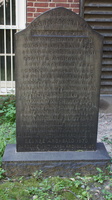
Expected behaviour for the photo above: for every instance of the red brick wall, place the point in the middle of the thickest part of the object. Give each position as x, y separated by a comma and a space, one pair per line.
36, 7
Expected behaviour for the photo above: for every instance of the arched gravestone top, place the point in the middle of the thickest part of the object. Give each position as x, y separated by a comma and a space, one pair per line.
58, 66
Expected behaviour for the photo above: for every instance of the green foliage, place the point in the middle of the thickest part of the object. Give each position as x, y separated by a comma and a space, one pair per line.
2, 145
2, 173
8, 109
7, 136
107, 140
37, 187
101, 177
37, 175
7, 122
58, 188
107, 194
39, 193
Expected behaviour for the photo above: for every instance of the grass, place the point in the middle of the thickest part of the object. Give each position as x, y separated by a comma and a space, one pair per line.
56, 188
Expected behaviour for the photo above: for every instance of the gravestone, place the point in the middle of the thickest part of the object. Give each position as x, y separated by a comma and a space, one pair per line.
58, 67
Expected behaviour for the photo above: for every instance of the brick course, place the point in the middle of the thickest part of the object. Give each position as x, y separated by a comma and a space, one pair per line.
37, 7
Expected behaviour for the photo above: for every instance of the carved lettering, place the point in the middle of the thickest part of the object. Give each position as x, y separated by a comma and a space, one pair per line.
58, 72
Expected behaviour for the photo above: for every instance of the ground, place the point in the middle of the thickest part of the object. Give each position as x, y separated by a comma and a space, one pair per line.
105, 130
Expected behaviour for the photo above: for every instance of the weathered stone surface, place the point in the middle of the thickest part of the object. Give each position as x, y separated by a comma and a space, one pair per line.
58, 65
57, 163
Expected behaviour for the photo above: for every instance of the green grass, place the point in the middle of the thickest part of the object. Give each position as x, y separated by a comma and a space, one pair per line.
55, 188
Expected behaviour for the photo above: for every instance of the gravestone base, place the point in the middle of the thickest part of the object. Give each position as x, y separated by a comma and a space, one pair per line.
58, 163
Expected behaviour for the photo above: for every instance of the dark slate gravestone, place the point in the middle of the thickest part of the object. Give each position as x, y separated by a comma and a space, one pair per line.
58, 66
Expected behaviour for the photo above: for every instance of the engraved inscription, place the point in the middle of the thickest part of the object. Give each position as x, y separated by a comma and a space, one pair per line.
57, 83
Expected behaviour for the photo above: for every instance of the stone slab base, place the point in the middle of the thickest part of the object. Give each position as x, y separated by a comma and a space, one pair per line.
58, 163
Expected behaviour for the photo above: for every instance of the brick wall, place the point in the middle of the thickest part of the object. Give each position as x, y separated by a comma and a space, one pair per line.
36, 7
